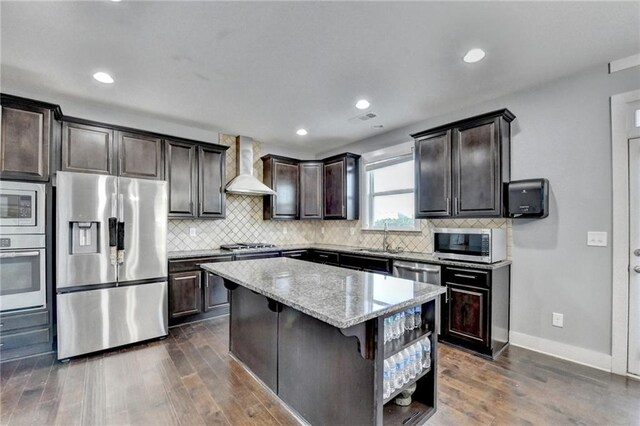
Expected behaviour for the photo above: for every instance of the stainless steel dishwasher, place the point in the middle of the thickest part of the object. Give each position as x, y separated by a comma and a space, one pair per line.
423, 272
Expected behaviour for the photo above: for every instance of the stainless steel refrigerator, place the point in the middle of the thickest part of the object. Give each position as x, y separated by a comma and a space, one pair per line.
111, 261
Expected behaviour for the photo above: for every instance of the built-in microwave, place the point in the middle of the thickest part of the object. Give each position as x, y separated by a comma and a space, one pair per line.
470, 244
22, 208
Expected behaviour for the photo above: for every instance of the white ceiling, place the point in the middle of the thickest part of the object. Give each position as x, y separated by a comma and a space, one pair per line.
264, 69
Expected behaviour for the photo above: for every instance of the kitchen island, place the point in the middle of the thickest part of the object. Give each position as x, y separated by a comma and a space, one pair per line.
313, 334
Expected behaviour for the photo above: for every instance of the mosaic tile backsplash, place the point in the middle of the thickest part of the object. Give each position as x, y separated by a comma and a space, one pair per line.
244, 223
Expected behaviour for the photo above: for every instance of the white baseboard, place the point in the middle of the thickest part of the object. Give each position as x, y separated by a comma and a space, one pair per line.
575, 354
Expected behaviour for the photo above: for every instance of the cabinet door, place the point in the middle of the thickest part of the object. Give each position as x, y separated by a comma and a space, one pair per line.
467, 314
180, 172
433, 175
87, 148
334, 190
185, 293
24, 142
215, 293
211, 175
311, 191
476, 169
285, 183
139, 156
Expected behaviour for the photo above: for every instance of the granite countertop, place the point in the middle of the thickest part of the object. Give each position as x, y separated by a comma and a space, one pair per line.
408, 256
338, 296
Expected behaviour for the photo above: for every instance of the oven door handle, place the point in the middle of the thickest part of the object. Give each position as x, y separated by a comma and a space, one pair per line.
19, 254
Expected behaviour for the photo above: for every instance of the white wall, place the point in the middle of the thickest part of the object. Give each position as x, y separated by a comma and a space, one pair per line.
562, 132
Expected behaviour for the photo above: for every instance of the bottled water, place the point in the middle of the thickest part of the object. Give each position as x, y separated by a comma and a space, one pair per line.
409, 319
426, 353
400, 325
387, 329
406, 368
392, 375
387, 380
417, 316
412, 362
418, 350
399, 379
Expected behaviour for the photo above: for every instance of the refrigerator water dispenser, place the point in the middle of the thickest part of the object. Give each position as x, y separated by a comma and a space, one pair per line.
84, 237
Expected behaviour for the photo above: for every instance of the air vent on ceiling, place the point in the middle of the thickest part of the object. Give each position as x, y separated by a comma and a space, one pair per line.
363, 117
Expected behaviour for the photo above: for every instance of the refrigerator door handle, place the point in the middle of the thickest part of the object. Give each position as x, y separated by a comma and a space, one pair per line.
113, 240
114, 205
120, 229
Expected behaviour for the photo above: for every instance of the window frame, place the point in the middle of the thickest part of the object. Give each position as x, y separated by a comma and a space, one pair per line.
403, 153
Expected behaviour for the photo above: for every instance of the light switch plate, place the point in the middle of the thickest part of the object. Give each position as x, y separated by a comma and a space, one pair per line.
596, 239
193, 232
557, 320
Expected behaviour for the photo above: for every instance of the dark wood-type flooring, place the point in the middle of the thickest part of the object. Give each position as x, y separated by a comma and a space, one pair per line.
189, 379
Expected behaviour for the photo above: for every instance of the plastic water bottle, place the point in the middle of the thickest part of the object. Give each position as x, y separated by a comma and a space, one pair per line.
387, 329
392, 375
387, 379
417, 317
426, 353
418, 350
400, 325
412, 362
409, 318
399, 362
406, 369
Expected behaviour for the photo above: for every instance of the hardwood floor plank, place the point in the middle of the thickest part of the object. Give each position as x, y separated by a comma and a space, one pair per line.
12, 389
24, 413
70, 407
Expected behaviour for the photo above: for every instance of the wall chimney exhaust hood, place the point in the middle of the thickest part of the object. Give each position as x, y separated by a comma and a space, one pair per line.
245, 183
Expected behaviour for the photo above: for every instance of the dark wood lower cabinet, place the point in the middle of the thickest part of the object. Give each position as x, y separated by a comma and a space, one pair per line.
467, 309
215, 294
185, 291
25, 333
475, 309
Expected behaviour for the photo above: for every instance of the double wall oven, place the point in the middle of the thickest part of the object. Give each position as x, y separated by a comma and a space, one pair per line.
22, 246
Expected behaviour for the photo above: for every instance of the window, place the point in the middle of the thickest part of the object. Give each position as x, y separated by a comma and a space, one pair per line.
389, 189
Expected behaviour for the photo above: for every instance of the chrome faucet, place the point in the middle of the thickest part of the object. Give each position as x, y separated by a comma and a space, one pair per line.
385, 244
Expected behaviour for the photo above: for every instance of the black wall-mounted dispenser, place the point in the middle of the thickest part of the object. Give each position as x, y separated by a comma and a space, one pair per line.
528, 198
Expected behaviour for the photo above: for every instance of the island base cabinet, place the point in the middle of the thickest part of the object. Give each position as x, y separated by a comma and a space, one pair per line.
253, 334
338, 383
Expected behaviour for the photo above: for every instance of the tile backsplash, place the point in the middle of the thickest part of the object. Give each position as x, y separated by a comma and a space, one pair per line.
244, 223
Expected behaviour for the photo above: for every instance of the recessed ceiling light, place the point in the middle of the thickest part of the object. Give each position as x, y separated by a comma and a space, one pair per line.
116, 0
378, 126
474, 55
103, 77
362, 104
301, 132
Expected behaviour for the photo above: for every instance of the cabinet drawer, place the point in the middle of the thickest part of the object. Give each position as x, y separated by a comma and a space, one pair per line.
32, 319
194, 263
26, 338
369, 264
325, 257
295, 254
470, 277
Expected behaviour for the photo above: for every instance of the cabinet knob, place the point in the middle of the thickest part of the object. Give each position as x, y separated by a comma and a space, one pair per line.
636, 252
637, 269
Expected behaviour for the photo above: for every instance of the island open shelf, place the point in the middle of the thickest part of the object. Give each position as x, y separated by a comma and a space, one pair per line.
314, 335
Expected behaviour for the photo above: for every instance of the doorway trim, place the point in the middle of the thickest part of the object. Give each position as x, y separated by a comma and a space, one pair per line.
621, 132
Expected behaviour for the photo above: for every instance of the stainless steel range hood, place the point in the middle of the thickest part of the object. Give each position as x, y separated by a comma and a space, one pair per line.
245, 183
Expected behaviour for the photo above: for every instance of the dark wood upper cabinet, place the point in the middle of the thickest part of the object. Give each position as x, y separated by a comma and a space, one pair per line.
185, 294
341, 187
311, 190
26, 138
196, 175
282, 175
139, 156
180, 172
433, 175
211, 180
461, 167
87, 148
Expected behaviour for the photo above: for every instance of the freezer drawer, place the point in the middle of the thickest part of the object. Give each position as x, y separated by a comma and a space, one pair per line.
94, 320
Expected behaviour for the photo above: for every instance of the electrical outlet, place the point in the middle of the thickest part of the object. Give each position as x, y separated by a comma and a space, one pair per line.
284, 230
597, 239
558, 320
193, 232
322, 230
352, 231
